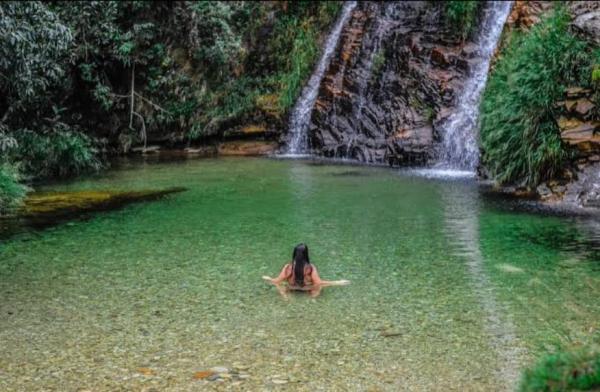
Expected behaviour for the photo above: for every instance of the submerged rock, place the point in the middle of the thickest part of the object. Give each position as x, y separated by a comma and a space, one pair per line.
45, 209
201, 375
61, 203
146, 371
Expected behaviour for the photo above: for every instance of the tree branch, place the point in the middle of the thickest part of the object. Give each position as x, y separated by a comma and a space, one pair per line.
132, 95
154, 105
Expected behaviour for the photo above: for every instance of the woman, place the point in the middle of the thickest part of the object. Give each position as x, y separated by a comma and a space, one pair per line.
300, 274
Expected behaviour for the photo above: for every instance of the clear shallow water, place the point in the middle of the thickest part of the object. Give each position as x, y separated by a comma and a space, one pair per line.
470, 289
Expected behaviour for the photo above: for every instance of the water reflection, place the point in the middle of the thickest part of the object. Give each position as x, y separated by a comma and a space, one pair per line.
461, 214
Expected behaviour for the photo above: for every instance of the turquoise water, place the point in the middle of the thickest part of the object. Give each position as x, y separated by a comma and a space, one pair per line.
451, 289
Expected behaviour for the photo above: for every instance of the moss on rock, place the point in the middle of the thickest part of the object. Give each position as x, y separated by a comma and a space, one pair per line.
61, 203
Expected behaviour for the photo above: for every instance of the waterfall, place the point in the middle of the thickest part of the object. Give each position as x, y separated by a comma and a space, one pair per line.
459, 149
301, 112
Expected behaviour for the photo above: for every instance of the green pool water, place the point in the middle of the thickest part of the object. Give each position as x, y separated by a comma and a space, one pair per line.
451, 289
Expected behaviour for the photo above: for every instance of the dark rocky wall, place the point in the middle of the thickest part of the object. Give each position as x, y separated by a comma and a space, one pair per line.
395, 77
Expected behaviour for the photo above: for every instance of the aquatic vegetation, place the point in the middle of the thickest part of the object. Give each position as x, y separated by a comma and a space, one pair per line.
564, 371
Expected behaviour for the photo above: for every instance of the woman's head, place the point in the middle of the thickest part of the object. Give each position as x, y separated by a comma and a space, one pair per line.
299, 261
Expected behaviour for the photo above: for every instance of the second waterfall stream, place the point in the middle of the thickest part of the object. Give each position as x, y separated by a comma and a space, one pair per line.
459, 149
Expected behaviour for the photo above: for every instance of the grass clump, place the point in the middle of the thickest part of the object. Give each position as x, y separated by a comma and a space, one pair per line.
295, 47
519, 135
564, 371
461, 16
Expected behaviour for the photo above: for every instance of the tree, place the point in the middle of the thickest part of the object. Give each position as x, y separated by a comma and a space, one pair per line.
33, 50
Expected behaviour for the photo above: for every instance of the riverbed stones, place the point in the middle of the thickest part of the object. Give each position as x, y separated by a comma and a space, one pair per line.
219, 369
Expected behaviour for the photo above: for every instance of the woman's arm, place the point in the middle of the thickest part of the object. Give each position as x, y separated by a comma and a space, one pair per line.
317, 281
285, 273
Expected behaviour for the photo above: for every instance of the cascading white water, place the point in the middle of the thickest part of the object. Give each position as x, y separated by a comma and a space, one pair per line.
300, 115
459, 149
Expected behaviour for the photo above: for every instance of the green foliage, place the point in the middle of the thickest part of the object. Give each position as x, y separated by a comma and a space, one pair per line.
301, 59
11, 191
596, 74
213, 39
296, 47
58, 153
564, 371
462, 15
33, 48
68, 71
378, 62
519, 135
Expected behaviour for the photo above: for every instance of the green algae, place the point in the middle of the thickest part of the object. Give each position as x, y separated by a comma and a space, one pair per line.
55, 203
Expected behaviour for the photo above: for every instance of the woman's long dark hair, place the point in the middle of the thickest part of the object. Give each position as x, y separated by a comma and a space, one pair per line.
299, 261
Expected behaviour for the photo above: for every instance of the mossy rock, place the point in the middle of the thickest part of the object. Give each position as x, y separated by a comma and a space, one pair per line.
62, 203
564, 371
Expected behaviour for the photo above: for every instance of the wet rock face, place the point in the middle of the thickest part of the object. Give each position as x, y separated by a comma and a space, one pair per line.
525, 14
586, 19
586, 190
394, 78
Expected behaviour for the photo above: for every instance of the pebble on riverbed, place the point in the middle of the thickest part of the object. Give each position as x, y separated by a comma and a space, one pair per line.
201, 375
222, 374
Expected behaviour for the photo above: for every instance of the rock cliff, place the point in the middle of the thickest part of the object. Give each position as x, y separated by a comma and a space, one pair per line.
395, 78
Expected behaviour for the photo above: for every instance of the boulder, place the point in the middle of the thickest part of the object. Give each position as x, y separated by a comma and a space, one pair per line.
250, 130
584, 136
577, 92
440, 56
525, 14
584, 106
146, 150
588, 24
247, 148
565, 123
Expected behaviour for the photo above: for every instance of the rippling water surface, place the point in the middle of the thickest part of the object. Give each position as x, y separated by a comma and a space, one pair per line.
451, 290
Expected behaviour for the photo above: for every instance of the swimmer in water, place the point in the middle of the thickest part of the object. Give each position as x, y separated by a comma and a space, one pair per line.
301, 275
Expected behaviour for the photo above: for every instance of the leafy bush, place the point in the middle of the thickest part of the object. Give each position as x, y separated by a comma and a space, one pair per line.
57, 153
11, 191
193, 68
519, 135
462, 16
564, 371
214, 40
